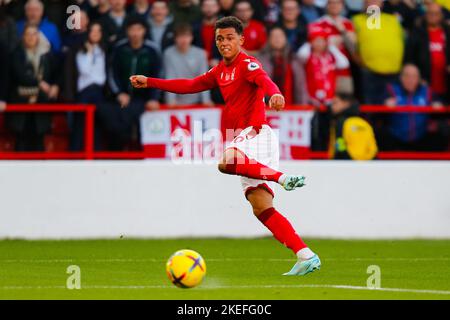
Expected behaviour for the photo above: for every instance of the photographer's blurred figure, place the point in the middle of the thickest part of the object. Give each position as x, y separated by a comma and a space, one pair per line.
351, 137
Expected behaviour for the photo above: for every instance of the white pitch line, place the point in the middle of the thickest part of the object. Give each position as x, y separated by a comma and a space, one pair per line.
213, 260
324, 286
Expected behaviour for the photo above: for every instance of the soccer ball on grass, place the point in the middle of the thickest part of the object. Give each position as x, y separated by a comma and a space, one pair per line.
186, 268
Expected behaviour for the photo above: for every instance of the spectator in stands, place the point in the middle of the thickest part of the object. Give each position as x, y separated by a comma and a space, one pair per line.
407, 131
101, 9
114, 22
422, 7
85, 78
185, 11
272, 13
284, 68
55, 10
32, 81
87, 5
4, 76
293, 23
34, 15
140, 7
94, 8
354, 7
380, 48
204, 30
133, 55
183, 60
351, 137
160, 25
321, 60
226, 7
76, 36
310, 11
405, 10
428, 48
254, 31
8, 32
340, 32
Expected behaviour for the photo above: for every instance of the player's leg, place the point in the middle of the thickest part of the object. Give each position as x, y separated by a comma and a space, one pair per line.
262, 203
236, 162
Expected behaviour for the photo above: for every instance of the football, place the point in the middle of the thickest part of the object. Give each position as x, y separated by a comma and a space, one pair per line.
186, 268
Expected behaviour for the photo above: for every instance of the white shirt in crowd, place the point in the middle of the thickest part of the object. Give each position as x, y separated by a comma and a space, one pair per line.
91, 68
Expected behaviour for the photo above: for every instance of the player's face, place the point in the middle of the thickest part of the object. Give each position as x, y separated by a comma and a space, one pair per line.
229, 42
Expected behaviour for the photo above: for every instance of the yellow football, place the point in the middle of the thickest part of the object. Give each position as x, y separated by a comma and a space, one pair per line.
186, 268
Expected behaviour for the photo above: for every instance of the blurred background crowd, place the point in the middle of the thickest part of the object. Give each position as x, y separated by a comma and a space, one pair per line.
312, 49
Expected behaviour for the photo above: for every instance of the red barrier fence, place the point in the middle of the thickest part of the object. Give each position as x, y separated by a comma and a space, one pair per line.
88, 153
89, 111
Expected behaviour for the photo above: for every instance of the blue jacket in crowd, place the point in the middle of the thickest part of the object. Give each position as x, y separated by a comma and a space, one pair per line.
409, 127
50, 31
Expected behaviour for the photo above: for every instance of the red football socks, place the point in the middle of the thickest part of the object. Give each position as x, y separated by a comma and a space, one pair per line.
282, 229
251, 168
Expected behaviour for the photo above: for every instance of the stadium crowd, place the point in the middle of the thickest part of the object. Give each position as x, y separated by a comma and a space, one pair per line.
312, 49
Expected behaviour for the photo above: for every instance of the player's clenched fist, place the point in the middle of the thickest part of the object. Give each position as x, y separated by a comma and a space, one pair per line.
138, 81
276, 102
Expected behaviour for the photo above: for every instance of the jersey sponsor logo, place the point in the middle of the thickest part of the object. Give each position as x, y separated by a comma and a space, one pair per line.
252, 66
436, 47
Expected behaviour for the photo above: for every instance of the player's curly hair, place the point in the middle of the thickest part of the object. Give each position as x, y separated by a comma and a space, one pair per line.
230, 22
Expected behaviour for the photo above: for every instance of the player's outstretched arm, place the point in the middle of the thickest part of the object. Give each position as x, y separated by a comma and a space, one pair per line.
256, 75
276, 101
180, 86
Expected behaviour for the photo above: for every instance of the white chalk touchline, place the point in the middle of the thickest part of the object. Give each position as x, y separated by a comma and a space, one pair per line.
206, 287
213, 260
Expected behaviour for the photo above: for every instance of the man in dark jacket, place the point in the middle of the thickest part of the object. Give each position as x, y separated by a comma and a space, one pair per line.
293, 23
160, 24
340, 110
429, 50
114, 22
351, 137
408, 131
133, 55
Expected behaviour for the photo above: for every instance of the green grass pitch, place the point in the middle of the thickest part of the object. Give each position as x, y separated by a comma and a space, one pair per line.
236, 269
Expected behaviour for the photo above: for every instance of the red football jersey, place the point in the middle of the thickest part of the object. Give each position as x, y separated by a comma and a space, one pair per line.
243, 85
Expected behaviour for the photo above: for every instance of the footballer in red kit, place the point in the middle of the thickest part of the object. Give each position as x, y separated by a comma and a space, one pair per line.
252, 146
